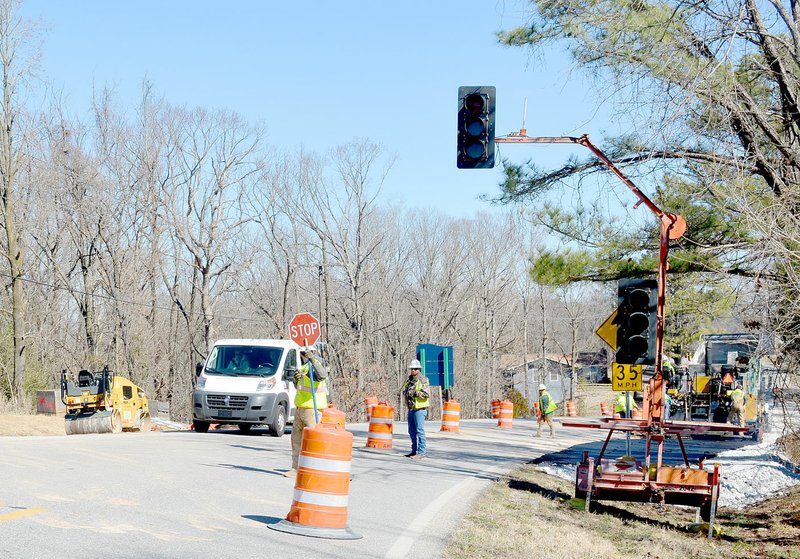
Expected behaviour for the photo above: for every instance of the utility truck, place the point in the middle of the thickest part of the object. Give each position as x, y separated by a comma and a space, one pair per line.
246, 382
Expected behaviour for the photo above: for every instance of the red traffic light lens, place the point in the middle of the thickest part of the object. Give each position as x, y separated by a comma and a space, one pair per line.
475, 104
639, 299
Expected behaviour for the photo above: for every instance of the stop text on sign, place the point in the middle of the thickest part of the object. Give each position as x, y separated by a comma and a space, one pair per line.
304, 330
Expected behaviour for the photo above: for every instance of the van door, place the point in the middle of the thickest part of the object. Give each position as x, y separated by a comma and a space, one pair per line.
291, 361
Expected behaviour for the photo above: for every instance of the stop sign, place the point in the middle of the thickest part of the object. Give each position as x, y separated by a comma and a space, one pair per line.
304, 329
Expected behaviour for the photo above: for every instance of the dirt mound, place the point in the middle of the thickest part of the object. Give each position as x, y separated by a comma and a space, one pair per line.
30, 425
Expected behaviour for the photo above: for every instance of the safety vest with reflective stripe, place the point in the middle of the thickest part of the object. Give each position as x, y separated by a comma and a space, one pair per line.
419, 403
304, 398
547, 404
620, 402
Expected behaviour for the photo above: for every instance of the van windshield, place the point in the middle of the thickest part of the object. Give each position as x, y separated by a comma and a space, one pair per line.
244, 360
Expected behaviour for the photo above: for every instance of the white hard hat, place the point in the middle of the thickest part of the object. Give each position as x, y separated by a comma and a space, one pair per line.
542, 387
414, 364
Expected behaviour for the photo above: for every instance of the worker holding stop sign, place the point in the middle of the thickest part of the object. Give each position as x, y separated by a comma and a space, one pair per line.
309, 379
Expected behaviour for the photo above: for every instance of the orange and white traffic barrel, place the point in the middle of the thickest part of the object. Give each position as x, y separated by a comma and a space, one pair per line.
332, 416
380, 426
495, 409
506, 414
604, 409
451, 416
322, 486
571, 410
536, 408
370, 402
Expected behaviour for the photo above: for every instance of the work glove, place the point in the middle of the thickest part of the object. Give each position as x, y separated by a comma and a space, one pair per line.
298, 377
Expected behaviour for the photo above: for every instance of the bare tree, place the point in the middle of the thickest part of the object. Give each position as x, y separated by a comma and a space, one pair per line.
16, 35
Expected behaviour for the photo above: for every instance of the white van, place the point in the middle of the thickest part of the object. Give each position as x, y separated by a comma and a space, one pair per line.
247, 383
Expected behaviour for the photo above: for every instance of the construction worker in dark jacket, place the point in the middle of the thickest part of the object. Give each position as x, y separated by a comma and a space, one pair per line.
416, 394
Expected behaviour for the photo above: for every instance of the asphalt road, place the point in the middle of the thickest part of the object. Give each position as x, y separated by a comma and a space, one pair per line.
185, 494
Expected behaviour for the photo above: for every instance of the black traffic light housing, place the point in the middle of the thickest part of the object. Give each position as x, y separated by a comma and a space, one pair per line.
476, 127
636, 321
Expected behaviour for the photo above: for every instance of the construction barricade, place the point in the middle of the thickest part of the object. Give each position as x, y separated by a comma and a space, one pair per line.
571, 409
322, 486
451, 416
495, 409
380, 426
370, 402
506, 414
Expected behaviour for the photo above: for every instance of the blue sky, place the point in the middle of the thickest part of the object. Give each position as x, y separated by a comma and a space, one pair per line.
321, 73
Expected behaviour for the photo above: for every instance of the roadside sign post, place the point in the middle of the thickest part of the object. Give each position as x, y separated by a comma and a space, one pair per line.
304, 331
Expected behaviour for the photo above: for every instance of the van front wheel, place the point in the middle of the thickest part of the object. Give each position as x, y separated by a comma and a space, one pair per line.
278, 424
201, 426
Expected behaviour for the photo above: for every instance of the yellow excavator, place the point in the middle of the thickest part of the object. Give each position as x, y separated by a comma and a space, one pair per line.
100, 402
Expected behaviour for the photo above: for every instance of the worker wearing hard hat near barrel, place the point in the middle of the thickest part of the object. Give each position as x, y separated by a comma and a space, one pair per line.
547, 408
416, 394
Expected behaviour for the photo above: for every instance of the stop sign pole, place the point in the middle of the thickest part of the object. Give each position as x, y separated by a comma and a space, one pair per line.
304, 331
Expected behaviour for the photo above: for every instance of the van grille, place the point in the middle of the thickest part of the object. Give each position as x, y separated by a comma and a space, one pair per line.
226, 402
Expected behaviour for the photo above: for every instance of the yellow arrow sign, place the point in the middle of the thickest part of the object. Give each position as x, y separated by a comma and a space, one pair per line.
608, 331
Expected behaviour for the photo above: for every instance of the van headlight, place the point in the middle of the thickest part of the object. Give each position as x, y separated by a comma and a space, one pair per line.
265, 384
201, 381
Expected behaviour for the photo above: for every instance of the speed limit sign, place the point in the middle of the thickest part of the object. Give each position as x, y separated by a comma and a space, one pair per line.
626, 377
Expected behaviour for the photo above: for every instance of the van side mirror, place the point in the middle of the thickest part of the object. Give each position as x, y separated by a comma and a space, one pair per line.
288, 374
198, 369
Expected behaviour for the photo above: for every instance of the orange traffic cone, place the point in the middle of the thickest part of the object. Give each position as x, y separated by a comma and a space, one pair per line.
322, 486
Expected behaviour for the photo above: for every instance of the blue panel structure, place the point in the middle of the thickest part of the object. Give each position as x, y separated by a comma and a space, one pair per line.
437, 364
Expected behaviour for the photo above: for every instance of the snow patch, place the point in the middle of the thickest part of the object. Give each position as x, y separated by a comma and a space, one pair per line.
753, 473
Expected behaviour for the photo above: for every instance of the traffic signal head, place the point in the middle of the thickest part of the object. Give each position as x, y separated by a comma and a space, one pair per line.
476, 127
636, 321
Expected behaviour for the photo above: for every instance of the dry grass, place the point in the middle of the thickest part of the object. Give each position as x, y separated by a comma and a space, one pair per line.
590, 396
24, 425
529, 514
790, 445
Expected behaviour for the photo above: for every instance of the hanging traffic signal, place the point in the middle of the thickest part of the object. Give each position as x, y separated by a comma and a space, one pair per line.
636, 321
476, 127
